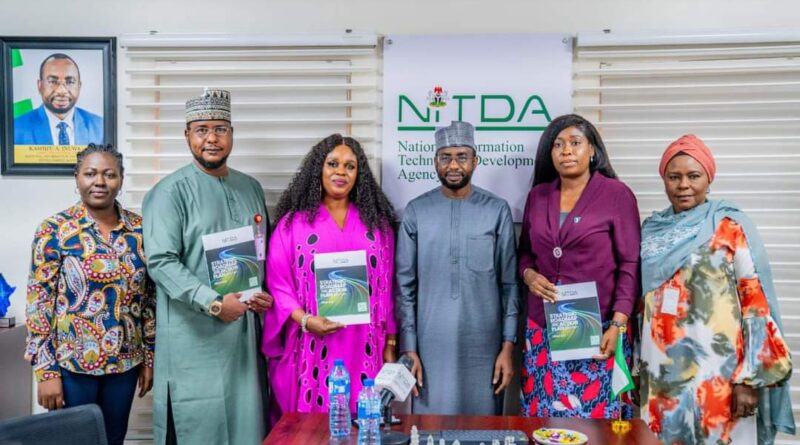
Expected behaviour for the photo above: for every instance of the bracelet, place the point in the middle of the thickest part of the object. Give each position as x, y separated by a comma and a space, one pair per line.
304, 322
621, 326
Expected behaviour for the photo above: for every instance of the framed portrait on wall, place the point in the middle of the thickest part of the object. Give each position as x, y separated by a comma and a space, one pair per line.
58, 95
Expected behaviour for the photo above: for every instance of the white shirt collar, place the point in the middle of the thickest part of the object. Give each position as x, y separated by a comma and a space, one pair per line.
54, 120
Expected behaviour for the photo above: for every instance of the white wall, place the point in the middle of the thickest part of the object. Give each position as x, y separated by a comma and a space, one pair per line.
98, 17
24, 203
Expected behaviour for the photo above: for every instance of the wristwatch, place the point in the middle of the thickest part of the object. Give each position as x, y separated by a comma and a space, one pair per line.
621, 326
216, 306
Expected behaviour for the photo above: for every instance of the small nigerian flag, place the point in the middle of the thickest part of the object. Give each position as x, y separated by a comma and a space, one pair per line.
621, 379
26, 105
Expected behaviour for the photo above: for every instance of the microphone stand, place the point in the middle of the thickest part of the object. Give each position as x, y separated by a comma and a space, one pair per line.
389, 437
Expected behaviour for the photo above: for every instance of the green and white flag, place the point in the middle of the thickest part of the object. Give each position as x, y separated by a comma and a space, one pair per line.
621, 380
25, 105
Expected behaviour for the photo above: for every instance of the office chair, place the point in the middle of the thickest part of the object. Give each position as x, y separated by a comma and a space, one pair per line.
81, 425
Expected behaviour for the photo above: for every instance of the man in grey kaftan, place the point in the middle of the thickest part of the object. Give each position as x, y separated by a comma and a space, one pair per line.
458, 300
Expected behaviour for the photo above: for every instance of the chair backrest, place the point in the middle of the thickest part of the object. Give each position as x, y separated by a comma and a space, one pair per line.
81, 425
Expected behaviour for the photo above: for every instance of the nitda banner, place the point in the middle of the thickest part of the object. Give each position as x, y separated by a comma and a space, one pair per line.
508, 86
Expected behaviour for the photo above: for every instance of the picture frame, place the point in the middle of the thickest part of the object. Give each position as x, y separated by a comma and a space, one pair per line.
58, 95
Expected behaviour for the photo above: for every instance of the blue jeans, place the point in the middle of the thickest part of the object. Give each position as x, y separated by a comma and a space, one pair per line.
113, 393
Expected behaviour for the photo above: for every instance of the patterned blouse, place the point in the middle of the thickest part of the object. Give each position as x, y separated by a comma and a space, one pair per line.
91, 306
721, 333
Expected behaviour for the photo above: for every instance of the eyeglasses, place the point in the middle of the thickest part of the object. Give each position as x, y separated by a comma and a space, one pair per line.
203, 132
461, 158
54, 83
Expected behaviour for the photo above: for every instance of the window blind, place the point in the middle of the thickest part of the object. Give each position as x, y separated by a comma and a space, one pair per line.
287, 94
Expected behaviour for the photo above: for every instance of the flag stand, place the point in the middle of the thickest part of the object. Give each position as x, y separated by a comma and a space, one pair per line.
619, 425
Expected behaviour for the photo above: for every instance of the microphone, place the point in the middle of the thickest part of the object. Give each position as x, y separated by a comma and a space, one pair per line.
396, 382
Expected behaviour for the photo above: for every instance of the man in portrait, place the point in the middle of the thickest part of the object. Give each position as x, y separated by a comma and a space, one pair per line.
58, 121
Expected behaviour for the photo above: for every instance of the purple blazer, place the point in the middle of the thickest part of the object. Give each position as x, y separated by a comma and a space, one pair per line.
599, 241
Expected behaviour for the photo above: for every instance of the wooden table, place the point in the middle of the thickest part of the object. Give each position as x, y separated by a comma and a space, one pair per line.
311, 429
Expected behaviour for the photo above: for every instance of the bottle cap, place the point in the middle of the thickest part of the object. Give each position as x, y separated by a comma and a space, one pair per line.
369, 382
338, 362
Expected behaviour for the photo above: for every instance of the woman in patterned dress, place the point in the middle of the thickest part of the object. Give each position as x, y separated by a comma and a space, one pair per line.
91, 307
333, 204
713, 361
581, 224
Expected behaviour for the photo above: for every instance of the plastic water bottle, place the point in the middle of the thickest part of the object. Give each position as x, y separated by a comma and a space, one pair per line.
339, 400
369, 415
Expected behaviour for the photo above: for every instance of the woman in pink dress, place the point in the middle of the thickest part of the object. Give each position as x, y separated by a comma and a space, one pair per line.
333, 204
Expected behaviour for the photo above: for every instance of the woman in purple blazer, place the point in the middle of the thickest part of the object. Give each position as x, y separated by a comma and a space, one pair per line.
581, 224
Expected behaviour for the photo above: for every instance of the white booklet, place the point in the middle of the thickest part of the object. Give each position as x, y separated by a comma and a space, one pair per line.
232, 262
574, 328
342, 286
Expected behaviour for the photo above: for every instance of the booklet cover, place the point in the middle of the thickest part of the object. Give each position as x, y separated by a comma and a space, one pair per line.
342, 286
574, 327
232, 262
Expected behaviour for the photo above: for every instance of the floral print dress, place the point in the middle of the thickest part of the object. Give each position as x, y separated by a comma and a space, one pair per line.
720, 334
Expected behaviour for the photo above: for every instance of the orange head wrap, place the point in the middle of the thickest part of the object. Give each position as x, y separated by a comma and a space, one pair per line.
690, 145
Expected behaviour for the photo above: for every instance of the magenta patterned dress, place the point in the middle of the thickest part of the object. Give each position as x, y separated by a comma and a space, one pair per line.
299, 363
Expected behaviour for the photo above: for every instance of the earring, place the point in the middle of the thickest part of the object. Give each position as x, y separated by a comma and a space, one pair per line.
591, 159
76, 191
708, 191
